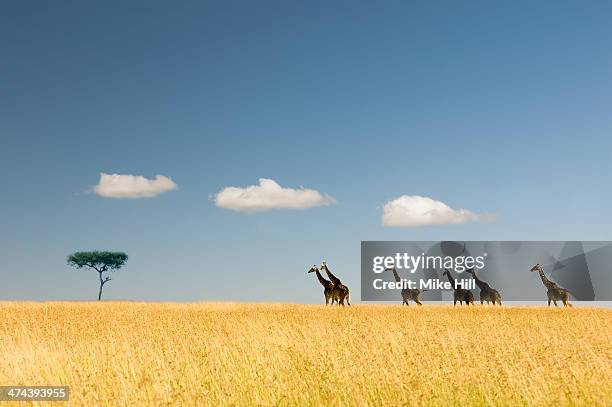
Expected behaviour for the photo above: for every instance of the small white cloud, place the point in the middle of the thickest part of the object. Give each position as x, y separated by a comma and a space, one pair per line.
413, 210
132, 186
269, 195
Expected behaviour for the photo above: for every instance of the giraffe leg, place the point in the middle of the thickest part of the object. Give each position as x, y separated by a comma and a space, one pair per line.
555, 301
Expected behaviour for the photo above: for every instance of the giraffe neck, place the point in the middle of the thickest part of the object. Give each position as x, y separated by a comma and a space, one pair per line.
333, 278
481, 284
451, 279
397, 277
545, 280
323, 281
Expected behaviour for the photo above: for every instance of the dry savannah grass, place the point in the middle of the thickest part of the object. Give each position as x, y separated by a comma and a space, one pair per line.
278, 354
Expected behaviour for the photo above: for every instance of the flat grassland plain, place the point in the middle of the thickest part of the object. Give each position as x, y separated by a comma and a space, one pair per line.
123, 353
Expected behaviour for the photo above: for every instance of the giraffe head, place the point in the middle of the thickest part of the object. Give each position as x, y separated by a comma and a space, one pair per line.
323, 265
537, 267
391, 269
313, 269
471, 271
446, 273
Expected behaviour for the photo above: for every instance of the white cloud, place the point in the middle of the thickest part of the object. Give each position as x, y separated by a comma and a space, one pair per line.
132, 186
413, 210
269, 195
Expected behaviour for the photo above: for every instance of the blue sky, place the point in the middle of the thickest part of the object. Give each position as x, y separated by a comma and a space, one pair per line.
499, 108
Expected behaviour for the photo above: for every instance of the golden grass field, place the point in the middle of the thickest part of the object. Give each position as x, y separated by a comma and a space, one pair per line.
278, 354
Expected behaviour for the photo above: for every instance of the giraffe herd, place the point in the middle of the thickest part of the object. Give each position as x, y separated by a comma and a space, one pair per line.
335, 291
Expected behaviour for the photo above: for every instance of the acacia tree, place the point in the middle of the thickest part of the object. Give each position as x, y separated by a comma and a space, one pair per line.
99, 261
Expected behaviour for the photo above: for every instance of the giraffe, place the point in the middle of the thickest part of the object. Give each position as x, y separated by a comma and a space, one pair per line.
341, 292
328, 286
553, 291
407, 293
487, 293
460, 294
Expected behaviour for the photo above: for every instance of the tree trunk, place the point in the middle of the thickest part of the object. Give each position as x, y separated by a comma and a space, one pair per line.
101, 285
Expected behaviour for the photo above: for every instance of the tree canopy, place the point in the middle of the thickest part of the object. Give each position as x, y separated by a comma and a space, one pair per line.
99, 261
